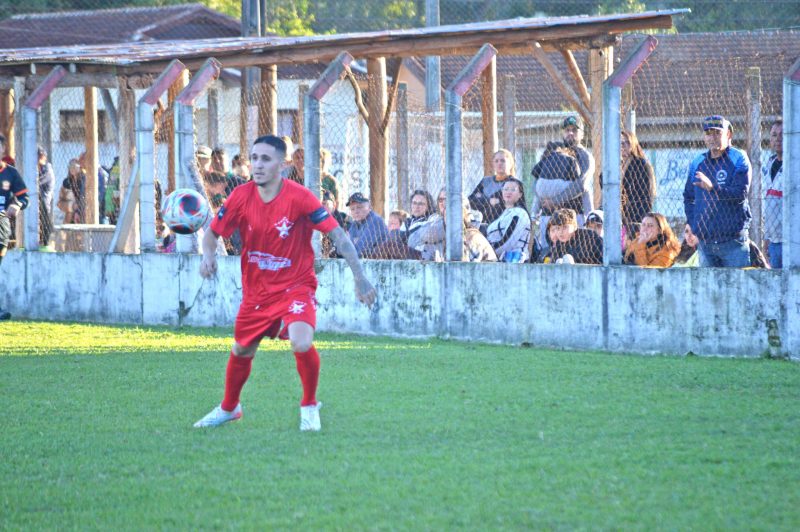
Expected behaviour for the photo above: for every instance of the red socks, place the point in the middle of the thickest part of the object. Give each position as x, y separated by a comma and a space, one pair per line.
308, 368
236, 375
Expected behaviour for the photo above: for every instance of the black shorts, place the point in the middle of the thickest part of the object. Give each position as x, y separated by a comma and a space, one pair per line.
5, 231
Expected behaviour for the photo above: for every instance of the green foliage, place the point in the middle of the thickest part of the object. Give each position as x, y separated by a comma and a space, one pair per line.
289, 18
417, 435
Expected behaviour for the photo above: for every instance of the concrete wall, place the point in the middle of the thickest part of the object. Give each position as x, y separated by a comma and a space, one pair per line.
621, 309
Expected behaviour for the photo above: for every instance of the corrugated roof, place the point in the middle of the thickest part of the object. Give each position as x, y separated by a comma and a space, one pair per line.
391, 43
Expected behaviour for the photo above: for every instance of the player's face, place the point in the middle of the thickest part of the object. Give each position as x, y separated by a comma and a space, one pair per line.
511, 194
266, 163
717, 140
776, 139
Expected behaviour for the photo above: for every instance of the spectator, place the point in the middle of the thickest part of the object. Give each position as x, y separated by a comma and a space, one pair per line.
773, 202
422, 207
46, 183
241, 168
638, 186
688, 256
396, 220
558, 185
594, 222
13, 198
102, 184
573, 132
656, 244
571, 244
715, 198
368, 230
72, 195
110, 199
332, 206
296, 172
327, 180
203, 157
487, 196
431, 237
509, 234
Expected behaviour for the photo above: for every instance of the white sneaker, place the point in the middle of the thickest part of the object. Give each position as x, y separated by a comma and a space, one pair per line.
218, 416
309, 417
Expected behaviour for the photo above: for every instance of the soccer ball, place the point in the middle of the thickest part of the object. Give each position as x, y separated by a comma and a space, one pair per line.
185, 211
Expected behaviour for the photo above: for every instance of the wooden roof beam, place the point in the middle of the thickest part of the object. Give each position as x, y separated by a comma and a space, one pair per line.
575, 71
561, 83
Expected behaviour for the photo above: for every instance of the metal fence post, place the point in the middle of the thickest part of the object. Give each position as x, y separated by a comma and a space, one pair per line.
791, 209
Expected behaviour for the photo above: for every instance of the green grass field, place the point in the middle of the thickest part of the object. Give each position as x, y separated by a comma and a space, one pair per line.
97, 433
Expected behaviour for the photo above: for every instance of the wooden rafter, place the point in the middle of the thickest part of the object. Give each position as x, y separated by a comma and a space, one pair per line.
575, 71
561, 83
357, 90
392, 96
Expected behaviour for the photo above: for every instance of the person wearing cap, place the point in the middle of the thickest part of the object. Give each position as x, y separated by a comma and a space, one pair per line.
47, 183
573, 131
773, 208
715, 198
487, 198
368, 230
594, 222
203, 156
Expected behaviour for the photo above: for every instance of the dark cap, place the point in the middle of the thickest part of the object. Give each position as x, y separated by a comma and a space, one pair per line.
716, 122
358, 197
572, 120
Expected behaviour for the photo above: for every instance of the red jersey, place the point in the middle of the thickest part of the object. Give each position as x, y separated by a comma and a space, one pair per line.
276, 237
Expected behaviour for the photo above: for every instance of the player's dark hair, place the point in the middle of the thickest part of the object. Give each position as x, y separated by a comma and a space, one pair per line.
272, 140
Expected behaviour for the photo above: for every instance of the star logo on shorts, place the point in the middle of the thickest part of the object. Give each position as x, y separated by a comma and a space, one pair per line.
297, 307
283, 227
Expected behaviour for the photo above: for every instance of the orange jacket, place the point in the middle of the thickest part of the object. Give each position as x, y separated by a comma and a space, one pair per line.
654, 253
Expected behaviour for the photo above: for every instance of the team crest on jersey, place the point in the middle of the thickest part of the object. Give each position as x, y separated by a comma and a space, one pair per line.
283, 227
722, 177
297, 307
221, 213
6, 185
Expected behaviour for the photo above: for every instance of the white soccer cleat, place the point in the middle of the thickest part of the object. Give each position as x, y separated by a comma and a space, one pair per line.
309, 417
218, 416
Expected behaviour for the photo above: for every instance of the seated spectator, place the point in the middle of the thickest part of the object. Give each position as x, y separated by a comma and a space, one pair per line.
330, 203
656, 245
509, 234
240, 167
594, 221
688, 256
431, 237
572, 244
422, 207
368, 230
396, 220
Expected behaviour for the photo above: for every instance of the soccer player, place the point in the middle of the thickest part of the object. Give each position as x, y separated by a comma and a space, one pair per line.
276, 218
13, 198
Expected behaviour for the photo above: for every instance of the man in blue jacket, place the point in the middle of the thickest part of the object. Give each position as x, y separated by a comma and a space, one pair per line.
368, 230
715, 198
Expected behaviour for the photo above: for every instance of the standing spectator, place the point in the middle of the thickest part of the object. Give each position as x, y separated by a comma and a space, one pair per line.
327, 180
509, 234
773, 202
110, 199
13, 198
72, 195
297, 171
487, 196
715, 198
102, 184
46, 183
573, 132
558, 185
638, 187
655, 245
203, 158
571, 244
368, 230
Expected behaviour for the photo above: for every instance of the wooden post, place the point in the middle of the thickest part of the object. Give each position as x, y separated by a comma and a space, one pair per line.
600, 61
753, 130
14, 142
378, 152
111, 111
401, 132
169, 126
126, 116
509, 115
489, 114
268, 110
6, 111
299, 128
90, 163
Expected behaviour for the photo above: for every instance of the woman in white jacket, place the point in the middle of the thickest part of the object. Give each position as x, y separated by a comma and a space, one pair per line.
510, 233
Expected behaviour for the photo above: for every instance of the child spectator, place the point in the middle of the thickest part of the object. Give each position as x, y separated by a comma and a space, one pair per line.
509, 234
572, 244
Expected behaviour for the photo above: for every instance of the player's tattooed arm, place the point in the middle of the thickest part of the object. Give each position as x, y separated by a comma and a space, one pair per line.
208, 265
344, 246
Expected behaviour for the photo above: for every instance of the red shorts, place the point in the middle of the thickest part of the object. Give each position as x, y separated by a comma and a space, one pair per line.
254, 322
